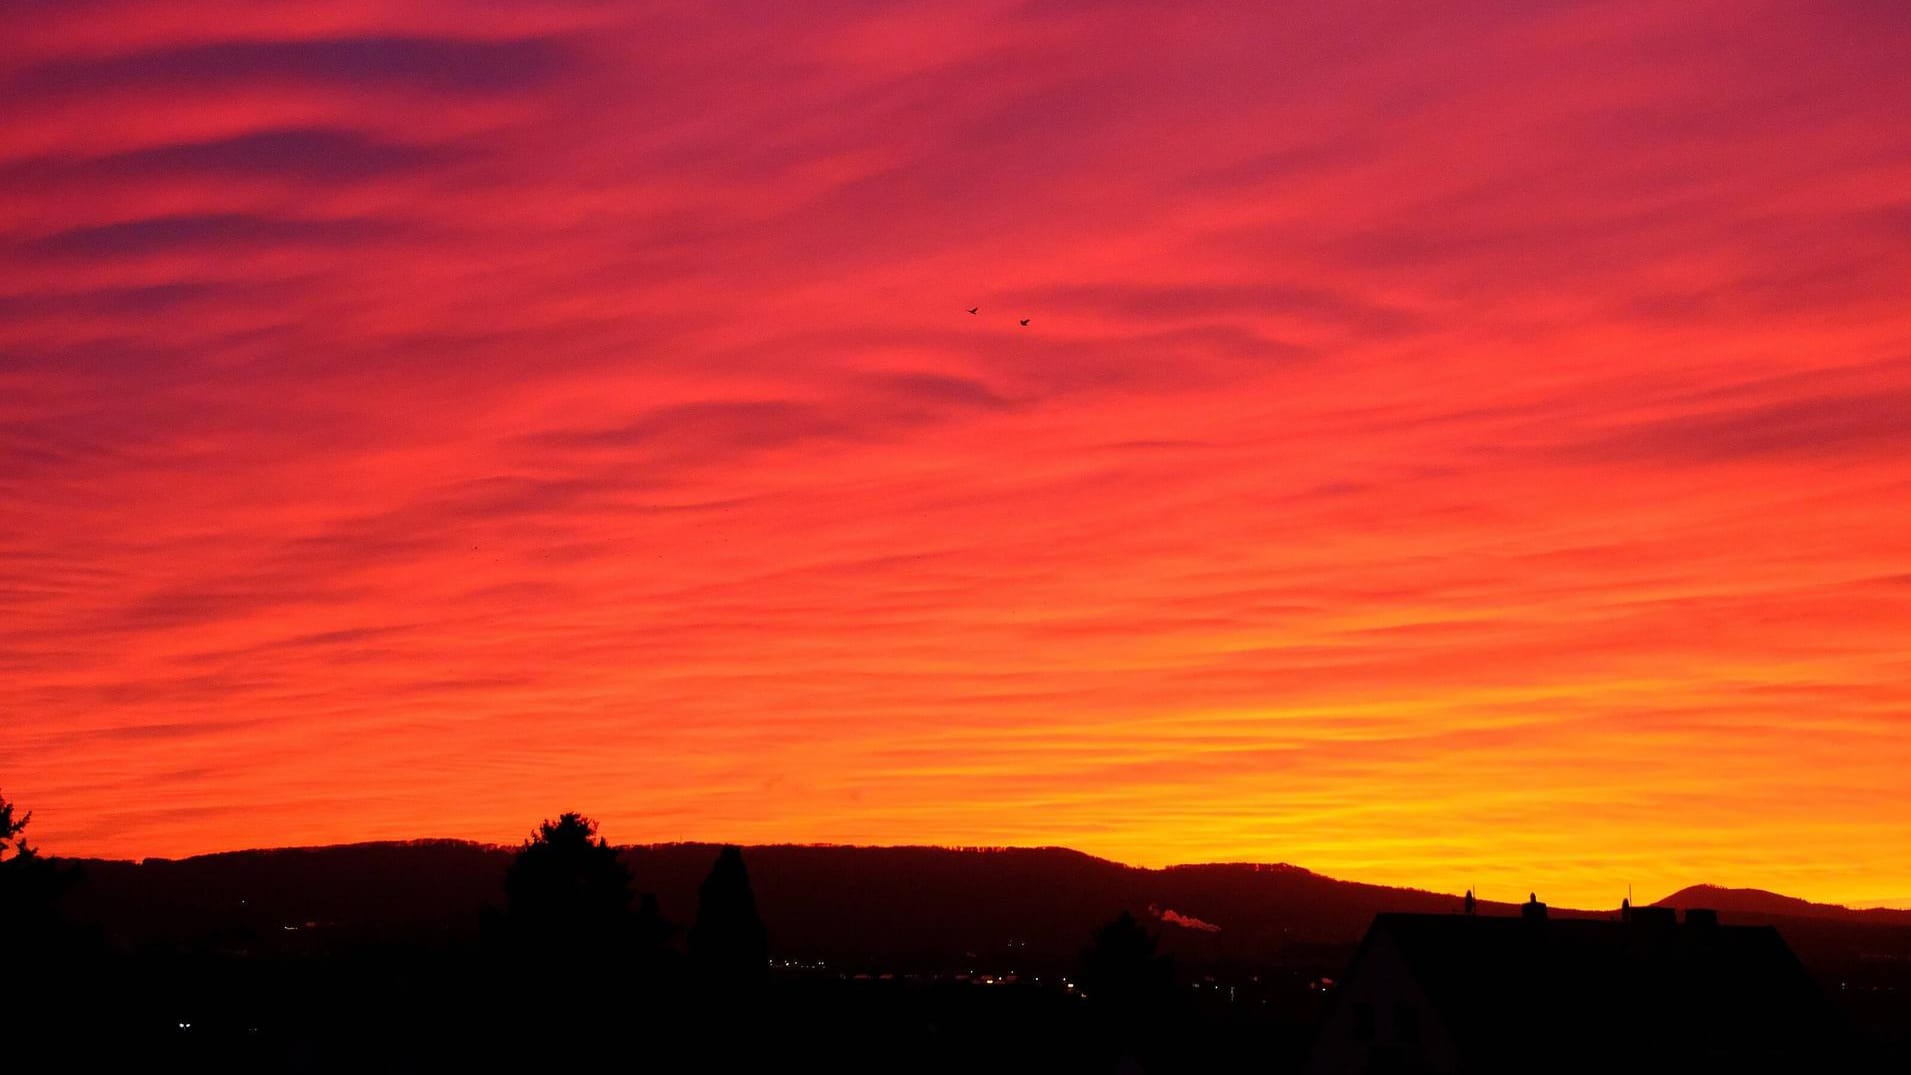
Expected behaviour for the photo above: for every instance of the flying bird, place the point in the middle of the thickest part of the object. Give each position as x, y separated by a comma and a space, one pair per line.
973, 309
1025, 321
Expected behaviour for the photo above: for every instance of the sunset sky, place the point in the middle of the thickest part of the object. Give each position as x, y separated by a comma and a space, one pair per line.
1452, 444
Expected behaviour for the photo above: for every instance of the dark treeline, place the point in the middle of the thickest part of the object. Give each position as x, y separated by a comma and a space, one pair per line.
577, 966
569, 953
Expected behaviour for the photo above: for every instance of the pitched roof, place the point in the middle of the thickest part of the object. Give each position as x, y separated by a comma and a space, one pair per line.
1506, 987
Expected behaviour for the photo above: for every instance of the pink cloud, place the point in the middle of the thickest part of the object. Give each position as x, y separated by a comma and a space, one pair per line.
1423, 417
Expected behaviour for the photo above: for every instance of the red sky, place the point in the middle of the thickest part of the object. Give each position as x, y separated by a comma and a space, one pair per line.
1468, 445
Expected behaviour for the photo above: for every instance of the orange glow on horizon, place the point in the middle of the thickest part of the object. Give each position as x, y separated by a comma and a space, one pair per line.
1444, 450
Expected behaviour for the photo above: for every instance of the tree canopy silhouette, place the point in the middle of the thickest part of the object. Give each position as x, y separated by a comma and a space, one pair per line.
1121, 971
31, 889
567, 891
729, 947
12, 843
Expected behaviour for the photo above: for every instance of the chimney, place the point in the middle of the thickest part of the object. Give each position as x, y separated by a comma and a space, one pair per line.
1625, 909
1533, 910
1471, 905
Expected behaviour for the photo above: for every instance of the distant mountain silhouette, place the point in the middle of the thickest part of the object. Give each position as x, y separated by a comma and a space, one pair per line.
876, 909
1756, 902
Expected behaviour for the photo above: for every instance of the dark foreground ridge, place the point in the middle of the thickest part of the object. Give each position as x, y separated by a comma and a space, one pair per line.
851, 901
856, 958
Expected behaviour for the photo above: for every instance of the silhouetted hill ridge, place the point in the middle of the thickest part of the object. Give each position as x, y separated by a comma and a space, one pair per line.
875, 908
1759, 902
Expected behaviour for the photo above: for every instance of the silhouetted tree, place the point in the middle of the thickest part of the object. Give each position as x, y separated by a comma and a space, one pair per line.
561, 951
729, 947
1128, 984
31, 888
651, 934
650, 921
12, 843
567, 893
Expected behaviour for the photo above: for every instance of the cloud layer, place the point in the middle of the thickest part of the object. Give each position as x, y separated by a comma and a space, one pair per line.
1446, 449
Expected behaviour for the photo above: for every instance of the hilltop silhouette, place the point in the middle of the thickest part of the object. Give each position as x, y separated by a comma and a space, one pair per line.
856, 957
843, 901
1756, 902
885, 907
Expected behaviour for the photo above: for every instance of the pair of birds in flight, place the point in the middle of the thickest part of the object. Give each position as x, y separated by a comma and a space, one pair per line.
973, 309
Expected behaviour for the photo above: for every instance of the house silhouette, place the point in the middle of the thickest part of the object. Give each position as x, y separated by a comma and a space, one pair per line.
1638, 991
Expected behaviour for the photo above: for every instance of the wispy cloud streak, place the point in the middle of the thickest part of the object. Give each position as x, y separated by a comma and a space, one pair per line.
1465, 444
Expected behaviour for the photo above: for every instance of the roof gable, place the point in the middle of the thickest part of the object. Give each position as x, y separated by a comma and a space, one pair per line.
1510, 986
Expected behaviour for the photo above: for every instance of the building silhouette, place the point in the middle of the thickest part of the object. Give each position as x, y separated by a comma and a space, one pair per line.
1640, 991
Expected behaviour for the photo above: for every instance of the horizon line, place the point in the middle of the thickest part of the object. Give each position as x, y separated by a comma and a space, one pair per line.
1887, 904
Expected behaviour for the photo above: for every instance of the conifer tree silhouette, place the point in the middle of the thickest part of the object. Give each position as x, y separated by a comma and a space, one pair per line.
32, 888
729, 947
12, 843
1129, 987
